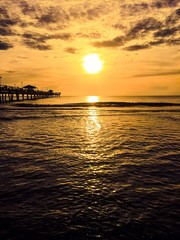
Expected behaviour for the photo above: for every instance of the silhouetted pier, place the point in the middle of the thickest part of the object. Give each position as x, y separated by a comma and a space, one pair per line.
11, 94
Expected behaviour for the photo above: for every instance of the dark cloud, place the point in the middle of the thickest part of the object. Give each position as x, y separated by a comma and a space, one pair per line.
136, 47
140, 29
174, 41
115, 42
45, 17
173, 18
177, 12
38, 41
157, 42
37, 45
170, 42
8, 22
131, 9
87, 14
3, 12
42, 37
5, 45
166, 32
48, 18
165, 3
136, 8
52, 18
159, 31
71, 50
54, 15
5, 31
94, 13
143, 27
28, 9
61, 36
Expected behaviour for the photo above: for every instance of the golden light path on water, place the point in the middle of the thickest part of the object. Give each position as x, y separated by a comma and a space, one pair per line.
93, 138
93, 125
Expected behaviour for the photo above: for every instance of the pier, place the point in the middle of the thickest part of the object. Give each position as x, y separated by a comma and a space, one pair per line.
11, 94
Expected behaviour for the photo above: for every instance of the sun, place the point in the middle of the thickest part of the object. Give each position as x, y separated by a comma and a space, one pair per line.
92, 63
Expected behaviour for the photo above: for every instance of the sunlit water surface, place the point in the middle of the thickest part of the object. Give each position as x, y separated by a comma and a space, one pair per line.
85, 171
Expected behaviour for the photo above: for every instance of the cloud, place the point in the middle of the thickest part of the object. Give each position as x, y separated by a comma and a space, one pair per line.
174, 41
54, 15
43, 37
5, 31
87, 20
136, 8
38, 41
28, 9
143, 27
115, 42
119, 26
151, 27
10, 71
132, 9
94, 13
3, 12
36, 45
83, 11
173, 18
136, 47
175, 72
166, 32
71, 50
45, 16
8, 22
5, 45
157, 42
92, 35
165, 3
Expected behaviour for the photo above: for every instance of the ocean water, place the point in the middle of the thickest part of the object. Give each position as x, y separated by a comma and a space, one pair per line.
90, 168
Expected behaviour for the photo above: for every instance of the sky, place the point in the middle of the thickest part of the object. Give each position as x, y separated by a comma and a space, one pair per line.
43, 43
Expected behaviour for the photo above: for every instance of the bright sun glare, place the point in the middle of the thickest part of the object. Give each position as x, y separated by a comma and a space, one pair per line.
92, 63
92, 99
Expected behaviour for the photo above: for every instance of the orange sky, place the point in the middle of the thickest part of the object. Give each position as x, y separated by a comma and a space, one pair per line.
43, 43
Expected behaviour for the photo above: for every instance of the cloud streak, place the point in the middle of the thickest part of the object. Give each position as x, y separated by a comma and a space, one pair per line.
39, 41
175, 72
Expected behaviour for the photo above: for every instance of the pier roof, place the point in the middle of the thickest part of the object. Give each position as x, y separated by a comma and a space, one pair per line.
29, 87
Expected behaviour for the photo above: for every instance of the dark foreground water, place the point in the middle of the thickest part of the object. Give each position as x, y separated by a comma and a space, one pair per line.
89, 171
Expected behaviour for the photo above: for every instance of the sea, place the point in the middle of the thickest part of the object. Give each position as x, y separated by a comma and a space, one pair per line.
85, 168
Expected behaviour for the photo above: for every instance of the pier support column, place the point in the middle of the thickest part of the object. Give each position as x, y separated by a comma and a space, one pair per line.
17, 96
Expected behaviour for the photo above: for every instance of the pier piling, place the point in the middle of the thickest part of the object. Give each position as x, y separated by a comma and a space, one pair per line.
11, 94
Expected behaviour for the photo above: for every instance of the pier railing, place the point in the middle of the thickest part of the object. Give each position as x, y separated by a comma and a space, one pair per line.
11, 93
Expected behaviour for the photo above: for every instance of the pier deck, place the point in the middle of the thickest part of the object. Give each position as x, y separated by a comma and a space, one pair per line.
11, 94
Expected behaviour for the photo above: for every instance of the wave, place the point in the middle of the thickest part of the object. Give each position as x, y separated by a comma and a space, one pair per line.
100, 104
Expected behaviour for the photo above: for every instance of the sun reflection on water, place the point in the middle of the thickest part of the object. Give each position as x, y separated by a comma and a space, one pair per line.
93, 149
92, 124
92, 99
